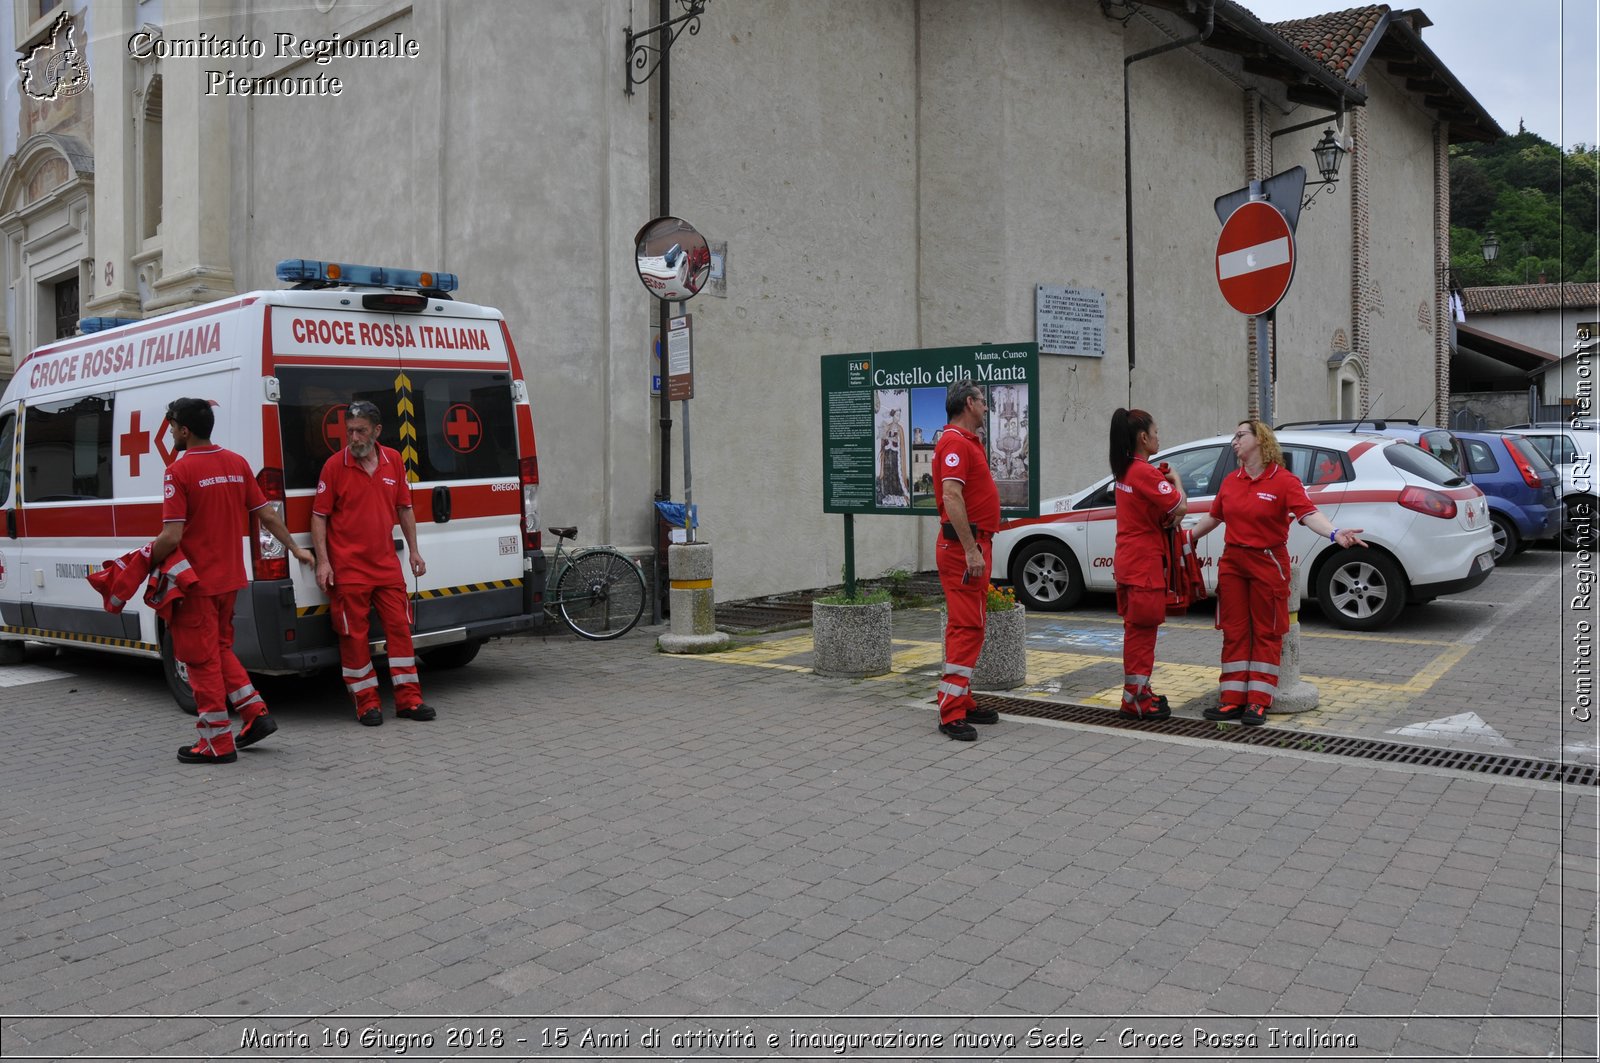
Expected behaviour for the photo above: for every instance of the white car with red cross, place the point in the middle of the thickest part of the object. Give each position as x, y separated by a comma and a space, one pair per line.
1427, 529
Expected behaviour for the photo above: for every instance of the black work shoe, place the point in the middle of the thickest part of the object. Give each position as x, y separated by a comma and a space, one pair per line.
372, 717
257, 729
189, 755
1225, 713
1159, 710
1255, 715
960, 730
983, 716
421, 712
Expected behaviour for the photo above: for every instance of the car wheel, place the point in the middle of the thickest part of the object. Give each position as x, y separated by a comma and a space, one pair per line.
1571, 522
1361, 590
177, 676
1045, 576
455, 655
1505, 537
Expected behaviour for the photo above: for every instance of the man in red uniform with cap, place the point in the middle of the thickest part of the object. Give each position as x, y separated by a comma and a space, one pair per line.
362, 493
209, 492
969, 515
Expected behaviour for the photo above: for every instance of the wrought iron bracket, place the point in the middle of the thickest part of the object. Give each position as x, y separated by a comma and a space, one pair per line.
641, 60
1325, 187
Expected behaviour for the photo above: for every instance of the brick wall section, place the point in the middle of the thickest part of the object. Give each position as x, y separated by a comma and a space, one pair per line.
1441, 260
1360, 254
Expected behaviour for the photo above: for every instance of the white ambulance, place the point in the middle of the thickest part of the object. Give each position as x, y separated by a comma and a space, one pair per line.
84, 444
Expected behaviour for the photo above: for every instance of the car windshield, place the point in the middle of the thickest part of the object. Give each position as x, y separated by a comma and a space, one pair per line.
1419, 462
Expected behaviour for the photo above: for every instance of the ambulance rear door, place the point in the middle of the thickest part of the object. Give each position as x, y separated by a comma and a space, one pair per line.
444, 385
458, 434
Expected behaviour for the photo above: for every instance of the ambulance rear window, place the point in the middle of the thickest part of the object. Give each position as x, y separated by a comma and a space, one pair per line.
447, 424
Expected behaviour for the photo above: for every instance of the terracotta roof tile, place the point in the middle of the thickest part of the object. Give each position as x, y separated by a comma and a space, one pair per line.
1334, 39
1513, 298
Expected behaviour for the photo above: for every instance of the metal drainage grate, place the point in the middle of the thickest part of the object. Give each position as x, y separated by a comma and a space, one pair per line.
1310, 741
762, 615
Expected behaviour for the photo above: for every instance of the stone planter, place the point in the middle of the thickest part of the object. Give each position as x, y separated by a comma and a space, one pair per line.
1003, 663
851, 641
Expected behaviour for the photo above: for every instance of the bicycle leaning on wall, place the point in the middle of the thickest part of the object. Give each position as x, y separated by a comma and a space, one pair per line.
597, 591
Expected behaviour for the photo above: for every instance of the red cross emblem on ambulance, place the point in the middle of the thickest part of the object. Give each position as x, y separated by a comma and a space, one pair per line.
462, 428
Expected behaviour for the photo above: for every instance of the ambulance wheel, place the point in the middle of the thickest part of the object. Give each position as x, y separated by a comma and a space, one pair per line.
1045, 576
176, 681
1361, 590
456, 655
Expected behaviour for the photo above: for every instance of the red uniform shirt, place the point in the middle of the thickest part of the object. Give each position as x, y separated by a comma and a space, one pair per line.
959, 456
362, 509
211, 490
1256, 512
1145, 499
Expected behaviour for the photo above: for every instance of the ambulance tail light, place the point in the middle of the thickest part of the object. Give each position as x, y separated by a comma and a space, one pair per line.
269, 557
528, 473
1431, 503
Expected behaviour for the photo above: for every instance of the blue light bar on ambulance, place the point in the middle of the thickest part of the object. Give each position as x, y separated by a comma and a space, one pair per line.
304, 270
100, 324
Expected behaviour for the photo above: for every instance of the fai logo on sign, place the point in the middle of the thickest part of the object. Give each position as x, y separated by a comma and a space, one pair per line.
54, 69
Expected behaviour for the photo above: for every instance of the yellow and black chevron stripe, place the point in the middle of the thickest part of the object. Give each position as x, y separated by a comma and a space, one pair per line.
407, 410
470, 588
73, 636
439, 592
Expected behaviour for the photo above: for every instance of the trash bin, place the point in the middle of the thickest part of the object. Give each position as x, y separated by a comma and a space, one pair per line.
669, 530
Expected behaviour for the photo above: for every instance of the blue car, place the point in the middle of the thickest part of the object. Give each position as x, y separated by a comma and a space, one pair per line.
1521, 485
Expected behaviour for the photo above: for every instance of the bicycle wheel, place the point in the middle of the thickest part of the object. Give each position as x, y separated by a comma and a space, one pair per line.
601, 594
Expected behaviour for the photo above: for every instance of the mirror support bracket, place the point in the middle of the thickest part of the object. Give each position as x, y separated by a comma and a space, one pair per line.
640, 60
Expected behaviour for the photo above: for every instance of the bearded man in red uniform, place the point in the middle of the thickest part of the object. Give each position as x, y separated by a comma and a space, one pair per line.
969, 515
362, 493
209, 492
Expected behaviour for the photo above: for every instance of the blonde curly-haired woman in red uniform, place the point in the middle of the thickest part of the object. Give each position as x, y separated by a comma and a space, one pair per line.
1257, 502
1148, 503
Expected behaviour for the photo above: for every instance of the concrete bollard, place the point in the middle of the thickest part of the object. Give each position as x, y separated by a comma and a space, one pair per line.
693, 628
1294, 694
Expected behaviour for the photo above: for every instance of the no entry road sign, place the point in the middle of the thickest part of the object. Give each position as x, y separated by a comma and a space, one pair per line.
1255, 258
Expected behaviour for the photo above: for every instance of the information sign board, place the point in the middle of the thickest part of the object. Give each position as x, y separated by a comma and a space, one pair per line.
1070, 320
883, 412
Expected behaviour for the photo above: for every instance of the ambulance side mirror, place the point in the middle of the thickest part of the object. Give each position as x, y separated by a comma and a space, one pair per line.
673, 259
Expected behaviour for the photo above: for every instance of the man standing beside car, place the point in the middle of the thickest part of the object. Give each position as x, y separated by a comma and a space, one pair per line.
209, 492
362, 493
969, 515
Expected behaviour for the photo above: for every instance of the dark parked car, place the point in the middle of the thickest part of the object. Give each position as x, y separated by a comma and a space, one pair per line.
1521, 485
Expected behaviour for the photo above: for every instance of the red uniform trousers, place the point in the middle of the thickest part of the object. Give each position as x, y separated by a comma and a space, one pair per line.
350, 607
967, 611
202, 639
1253, 613
1142, 610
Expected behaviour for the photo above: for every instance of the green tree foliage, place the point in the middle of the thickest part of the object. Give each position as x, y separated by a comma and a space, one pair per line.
1542, 204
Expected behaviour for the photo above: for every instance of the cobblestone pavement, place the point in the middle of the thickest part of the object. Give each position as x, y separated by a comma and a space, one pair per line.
598, 851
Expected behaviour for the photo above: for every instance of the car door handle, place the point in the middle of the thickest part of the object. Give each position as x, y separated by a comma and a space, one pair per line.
441, 505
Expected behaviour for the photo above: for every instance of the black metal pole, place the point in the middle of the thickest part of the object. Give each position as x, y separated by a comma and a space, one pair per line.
664, 310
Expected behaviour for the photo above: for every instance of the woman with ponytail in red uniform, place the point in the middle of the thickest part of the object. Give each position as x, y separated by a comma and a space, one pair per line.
1148, 503
1257, 502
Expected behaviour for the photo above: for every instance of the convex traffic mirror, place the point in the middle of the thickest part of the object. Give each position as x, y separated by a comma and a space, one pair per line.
674, 259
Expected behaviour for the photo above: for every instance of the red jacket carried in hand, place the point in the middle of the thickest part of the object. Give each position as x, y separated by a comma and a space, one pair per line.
1186, 582
118, 580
